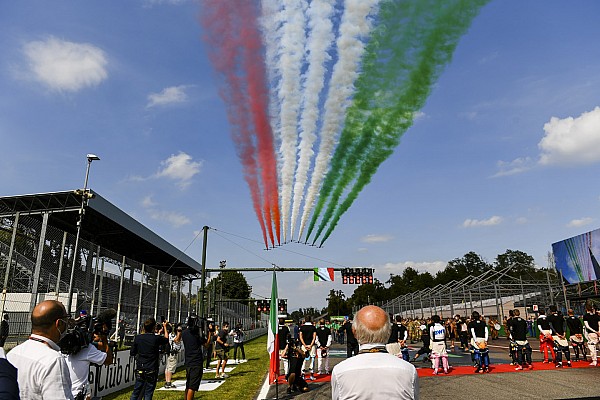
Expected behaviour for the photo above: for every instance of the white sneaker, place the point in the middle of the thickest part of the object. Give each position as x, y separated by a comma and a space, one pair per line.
312, 378
224, 376
593, 363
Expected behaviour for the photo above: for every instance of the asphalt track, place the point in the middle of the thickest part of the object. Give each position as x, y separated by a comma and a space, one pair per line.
565, 383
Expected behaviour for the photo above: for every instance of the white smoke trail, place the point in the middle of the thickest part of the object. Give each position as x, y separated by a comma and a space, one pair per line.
320, 40
354, 29
270, 22
291, 56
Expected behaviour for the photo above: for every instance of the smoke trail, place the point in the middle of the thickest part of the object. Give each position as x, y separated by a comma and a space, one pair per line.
291, 55
413, 20
320, 39
354, 29
451, 22
220, 35
235, 54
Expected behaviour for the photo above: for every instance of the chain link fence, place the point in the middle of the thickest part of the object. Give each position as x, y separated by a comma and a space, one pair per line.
38, 261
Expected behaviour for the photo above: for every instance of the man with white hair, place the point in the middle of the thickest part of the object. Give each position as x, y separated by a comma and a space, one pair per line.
373, 373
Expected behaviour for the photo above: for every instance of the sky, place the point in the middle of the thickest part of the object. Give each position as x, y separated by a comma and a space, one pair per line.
504, 154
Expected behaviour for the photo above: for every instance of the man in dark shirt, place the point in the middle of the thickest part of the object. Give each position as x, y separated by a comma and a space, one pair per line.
576, 335
559, 336
222, 347
591, 320
397, 341
4, 329
518, 334
9, 386
308, 337
546, 341
283, 333
193, 341
479, 339
351, 342
324, 340
145, 349
426, 339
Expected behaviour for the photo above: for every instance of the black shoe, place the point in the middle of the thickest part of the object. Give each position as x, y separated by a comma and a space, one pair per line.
289, 390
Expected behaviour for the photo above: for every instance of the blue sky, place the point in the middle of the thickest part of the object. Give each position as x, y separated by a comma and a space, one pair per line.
503, 156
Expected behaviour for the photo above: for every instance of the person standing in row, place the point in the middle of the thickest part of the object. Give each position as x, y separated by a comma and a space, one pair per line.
4, 330
576, 335
518, 334
324, 340
591, 320
437, 331
559, 336
397, 341
283, 332
308, 337
479, 339
546, 342
211, 331
351, 342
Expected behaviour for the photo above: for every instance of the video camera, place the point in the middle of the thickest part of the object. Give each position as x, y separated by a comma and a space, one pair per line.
82, 333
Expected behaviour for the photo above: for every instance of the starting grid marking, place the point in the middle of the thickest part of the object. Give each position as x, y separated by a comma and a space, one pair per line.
206, 385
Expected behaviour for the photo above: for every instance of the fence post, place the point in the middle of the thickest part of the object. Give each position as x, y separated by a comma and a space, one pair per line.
139, 313
170, 295
156, 295
100, 285
38, 261
121, 289
95, 275
9, 261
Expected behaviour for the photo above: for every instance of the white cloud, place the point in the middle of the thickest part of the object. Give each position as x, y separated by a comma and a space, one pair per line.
174, 219
376, 238
398, 268
170, 95
469, 115
576, 223
419, 115
521, 220
571, 140
66, 66
473, 223
516, 166
180, 168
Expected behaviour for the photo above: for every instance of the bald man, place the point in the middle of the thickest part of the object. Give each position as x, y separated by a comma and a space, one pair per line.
373, 373
42, 370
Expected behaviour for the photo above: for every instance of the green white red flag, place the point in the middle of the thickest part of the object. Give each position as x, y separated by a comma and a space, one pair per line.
273, 339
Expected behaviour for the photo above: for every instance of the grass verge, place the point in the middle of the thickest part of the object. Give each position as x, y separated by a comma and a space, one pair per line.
243, 384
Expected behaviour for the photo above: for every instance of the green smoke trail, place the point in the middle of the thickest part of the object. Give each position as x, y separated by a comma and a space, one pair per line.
441, 26
372, 100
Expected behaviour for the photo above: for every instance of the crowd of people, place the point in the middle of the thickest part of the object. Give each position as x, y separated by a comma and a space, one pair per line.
54, 363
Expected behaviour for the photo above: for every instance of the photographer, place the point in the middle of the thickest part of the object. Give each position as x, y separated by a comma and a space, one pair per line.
193, 341
238, 343
145, 349
175, 348
79, 363
295, 355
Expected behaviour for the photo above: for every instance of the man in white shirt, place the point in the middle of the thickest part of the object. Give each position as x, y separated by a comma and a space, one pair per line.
42, 370
79, 364
373, 373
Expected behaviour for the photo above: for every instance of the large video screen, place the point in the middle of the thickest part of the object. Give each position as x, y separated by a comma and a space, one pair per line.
577, 257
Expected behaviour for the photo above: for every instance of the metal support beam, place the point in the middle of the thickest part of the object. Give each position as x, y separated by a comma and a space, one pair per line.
121, 289
38, 262
139, 313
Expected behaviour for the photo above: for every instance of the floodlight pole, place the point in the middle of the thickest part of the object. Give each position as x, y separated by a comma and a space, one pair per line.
203, 272
84, 200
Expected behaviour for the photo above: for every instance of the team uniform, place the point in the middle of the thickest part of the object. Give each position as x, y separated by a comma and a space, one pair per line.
397, 343
438, 347
307, 333
479, 338
324, 340
546, 341
591, 321
576, 337
518, 334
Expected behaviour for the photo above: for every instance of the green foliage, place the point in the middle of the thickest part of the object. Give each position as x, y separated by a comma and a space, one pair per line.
234, 285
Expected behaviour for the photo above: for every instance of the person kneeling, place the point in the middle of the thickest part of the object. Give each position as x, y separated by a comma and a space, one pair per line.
294, 376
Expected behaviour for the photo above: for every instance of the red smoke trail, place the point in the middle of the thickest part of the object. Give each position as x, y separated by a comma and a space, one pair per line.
258, 93
220, 23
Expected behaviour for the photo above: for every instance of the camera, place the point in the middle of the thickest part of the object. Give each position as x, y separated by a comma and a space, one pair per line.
84, 329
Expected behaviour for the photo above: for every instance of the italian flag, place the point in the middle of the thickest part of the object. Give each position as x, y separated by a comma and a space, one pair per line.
273, 340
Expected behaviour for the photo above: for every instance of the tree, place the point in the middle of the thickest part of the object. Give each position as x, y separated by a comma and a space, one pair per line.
234, 285
368, 293
523, 264
459, 268
337, 304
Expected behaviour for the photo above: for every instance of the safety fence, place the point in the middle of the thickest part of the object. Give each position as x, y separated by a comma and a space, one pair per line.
39, 261
493, 293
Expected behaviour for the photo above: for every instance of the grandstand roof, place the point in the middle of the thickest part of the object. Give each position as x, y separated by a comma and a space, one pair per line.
106, 225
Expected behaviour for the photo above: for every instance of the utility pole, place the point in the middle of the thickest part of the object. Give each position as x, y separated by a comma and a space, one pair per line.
203, 272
